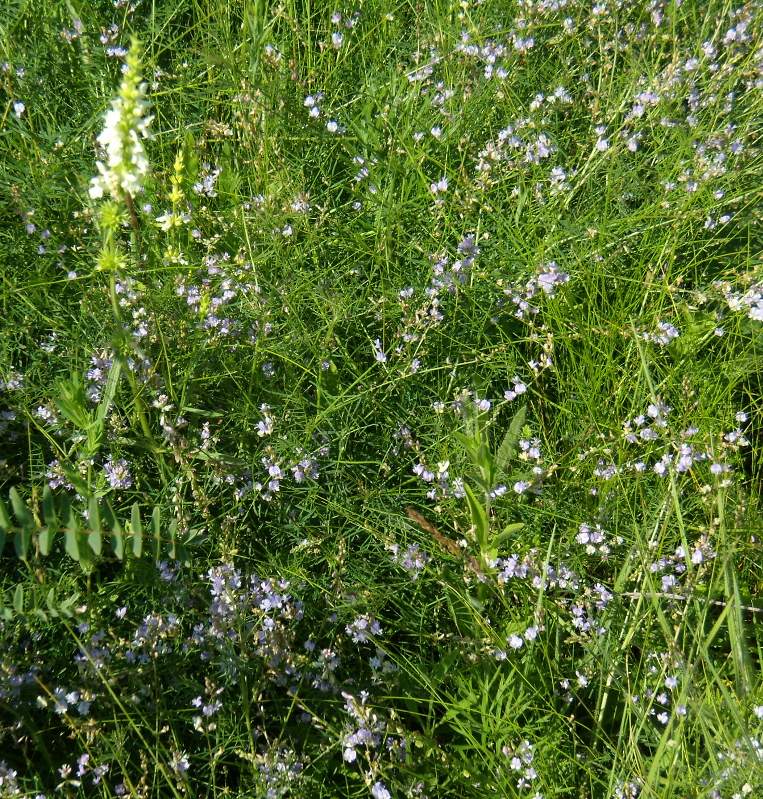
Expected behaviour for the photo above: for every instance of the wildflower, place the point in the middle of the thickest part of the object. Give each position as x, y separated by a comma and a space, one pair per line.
18, 109
518, 389
307, 467
440, 187
413, 559
602, 143
379, 353
379, 791
126, 124
179, 763
550, 277
362, 629
117, 473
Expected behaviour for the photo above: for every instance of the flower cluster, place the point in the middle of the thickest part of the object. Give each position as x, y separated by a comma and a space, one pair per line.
125, 168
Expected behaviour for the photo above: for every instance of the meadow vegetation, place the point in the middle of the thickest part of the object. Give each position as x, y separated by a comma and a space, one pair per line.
380, 399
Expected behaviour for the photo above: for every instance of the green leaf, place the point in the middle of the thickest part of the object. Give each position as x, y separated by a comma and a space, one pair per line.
18, 599
95, 538
744, 670
5, 525
71, 402
172, 530
475, 603
509, 446
190, 159
26, 521
45, 540
479, 518
117, 539
136, 531
469, 444
65, 608
20, 510
156, 525
50, 516
71, 536
181, 553
112, 382
50, 601
508, 532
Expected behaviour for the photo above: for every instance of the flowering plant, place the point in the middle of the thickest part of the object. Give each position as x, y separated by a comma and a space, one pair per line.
125, 167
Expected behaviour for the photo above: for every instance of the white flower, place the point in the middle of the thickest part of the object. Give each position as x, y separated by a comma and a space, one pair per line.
379, 791
125, 166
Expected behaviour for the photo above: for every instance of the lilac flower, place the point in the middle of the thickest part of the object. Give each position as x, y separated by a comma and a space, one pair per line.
439, 187
265, 425
664, 335
379, 791
179, 764
363, 629
117, 473
306, 468
413, 559
550, 276
516, 390
379, 353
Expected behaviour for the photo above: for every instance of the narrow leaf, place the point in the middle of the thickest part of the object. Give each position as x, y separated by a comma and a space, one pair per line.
479, 518
49, 507
24, 535
45, 540
50, 601
20, 510
117, 540
71, 537
18, 599
743, 668
47, 534
5, 525
172, 530
95, 538
156, 524
508, 532
112, 381
136, 531
508, 449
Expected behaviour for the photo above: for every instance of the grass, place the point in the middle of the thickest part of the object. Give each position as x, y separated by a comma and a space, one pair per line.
322, 476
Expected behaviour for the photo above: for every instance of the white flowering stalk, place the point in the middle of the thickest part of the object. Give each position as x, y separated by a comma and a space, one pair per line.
126, 125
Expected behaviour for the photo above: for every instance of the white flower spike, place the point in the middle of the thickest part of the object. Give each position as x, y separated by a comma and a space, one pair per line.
125, 166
